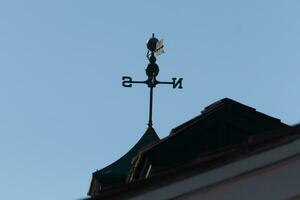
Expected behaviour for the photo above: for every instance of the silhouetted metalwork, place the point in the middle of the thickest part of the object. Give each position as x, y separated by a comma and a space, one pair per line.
155, 47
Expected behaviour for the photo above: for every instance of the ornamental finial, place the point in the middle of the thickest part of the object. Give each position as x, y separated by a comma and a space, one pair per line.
155, 47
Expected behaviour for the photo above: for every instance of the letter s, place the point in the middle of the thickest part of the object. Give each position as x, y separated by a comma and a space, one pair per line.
127, 81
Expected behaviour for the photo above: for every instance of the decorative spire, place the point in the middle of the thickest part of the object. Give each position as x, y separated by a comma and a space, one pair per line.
155, 47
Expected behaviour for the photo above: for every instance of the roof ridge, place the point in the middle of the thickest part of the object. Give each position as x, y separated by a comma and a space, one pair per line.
225, 101
212, 108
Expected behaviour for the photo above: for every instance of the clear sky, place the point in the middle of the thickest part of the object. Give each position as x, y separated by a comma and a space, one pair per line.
63, 110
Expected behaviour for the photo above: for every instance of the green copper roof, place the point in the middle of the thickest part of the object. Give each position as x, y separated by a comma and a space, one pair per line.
116, 173
223, 123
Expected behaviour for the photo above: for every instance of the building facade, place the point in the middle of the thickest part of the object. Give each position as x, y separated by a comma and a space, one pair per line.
229, 151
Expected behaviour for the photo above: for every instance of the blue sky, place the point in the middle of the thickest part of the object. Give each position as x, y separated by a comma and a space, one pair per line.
63, 111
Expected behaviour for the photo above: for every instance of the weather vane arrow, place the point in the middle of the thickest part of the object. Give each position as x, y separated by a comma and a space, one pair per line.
155, 47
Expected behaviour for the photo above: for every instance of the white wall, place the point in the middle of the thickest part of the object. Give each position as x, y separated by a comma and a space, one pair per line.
275, 183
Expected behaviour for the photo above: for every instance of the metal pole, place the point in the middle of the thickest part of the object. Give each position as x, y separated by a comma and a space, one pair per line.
150, 106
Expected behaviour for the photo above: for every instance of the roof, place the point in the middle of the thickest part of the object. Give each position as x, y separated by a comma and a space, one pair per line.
221, 104
116, 173
223, 123
212, 160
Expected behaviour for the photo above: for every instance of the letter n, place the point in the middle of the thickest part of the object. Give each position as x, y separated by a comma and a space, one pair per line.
177, 83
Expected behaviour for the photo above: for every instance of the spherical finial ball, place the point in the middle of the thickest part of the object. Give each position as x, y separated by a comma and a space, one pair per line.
151, 44
152, 70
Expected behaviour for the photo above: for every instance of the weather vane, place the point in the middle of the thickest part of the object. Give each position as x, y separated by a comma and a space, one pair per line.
155, 47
